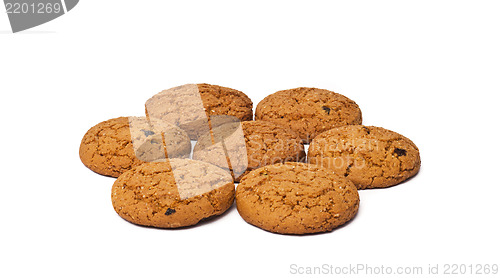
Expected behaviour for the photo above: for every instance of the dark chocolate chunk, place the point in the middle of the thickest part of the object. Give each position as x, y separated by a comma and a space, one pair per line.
348, 170
327, 109
147, 132
169, 211
399, 152
366, 129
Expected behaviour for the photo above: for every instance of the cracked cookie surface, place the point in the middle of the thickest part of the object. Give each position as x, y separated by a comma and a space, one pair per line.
371, 157
296, 198
249, 145
176, 193
218, 100
189, 106
308, 111
113, 147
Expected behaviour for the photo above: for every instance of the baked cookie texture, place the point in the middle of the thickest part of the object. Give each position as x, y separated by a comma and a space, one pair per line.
296, 198
249, 145
371, 157
176, 193
114, 146
308, 111
190, 106
218, 100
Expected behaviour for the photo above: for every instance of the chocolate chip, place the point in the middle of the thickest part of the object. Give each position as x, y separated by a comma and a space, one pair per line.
327, 109
169, 211
399, 152
347, 171
147, 132
366, 129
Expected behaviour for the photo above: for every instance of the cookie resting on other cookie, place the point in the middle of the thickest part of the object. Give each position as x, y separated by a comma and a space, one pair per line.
371, 157
190, 106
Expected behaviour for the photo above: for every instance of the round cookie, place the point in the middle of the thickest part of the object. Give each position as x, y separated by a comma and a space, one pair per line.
116, 145
177, 193
308, 111
371, 157
218, 100
249, 145
296, 198
190, 106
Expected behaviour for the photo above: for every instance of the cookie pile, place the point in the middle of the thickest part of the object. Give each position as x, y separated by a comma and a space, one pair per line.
160, 183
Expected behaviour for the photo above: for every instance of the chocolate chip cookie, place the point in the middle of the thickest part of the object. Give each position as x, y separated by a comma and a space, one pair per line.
249, 145
296, 198
369, 156
308, 111
116, 145
176, 193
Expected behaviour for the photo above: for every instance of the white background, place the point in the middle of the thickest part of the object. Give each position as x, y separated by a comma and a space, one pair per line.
426, 69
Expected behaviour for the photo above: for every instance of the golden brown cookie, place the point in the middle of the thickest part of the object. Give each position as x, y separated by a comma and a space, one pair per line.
177, 193
249, 145
369, 156
190, 106
296, 198
116, 145
218, 100
308, 111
